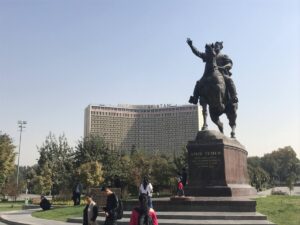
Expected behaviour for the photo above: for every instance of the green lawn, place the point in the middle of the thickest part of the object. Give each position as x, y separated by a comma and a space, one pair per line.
60, 214
282, 210
10, 206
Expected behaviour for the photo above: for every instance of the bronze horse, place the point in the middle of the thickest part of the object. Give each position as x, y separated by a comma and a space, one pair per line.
211, 90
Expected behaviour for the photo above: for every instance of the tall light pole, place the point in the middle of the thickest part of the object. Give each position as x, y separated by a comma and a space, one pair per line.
21, 125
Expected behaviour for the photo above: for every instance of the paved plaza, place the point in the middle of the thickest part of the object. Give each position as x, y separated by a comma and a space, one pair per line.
23, 217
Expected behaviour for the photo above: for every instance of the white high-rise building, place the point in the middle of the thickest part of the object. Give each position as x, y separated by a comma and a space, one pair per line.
163, 128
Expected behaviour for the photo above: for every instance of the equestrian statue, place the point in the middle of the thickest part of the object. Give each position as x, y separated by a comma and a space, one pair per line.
216, 88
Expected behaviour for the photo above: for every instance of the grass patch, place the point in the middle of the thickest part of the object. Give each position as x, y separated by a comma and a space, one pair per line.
282, 210
10, 206
60, 214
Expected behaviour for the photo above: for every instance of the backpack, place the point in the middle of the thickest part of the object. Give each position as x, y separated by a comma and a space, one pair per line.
119, 210
144, 219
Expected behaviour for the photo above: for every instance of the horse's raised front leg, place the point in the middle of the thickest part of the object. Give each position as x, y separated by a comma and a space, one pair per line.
196, 94
204, 113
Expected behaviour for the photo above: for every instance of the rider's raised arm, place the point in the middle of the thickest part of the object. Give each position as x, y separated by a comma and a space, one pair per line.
195, 50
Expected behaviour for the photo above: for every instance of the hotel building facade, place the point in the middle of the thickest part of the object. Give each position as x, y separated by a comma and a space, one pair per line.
153, 128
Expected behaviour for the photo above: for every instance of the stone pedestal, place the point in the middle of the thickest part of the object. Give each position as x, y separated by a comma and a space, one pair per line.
217, 166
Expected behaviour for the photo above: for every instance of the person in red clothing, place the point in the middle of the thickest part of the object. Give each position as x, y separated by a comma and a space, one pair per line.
143, 215
180, 191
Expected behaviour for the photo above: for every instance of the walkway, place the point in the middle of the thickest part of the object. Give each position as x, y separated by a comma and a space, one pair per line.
23, 217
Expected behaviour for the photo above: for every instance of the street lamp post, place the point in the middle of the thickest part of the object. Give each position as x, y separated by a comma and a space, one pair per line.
21, 124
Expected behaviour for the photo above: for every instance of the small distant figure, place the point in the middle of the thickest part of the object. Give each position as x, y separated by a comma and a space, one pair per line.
77, 190
143, 215
111, 207
45, 204
118, 184
117, 181
90, 211
180, 191
147, 189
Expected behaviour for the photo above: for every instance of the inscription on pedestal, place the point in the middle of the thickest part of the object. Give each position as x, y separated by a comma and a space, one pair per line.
206, 159
206, 166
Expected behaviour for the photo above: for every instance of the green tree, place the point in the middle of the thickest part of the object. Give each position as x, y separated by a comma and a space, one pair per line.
88, 149
280, 164
7, 158
10, 187
42, 183
140, 166
181, 160
56, 156
90, 174
162, 172
259, 178
94, 149
31, 173
290, 182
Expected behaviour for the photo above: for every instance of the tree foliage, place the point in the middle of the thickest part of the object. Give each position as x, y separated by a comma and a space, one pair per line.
280, 164
281, 167
7, 158
259, 178
163, 171
181, 160
56, 158
89, 149
42, 183
90, 174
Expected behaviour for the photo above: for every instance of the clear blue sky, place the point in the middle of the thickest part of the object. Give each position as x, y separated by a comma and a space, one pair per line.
56, 57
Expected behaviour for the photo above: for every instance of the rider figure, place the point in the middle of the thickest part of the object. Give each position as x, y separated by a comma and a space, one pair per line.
224, 64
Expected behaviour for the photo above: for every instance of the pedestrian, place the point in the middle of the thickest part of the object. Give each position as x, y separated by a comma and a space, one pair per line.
143, 215
111, 207
184, 176
147, 189
117, 181
180, 191
90, 211
77, 190
45, 204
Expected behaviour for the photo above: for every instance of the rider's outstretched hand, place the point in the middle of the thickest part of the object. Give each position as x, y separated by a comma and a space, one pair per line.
189, 41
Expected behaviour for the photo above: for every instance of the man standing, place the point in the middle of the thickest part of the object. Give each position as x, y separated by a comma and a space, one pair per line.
90, 211
77, 190
224, 65
111, 207
184, 176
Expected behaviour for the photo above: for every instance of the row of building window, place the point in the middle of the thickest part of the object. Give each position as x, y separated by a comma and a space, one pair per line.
139, 115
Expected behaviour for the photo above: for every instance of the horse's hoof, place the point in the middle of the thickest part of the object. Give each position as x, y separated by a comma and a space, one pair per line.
232, 134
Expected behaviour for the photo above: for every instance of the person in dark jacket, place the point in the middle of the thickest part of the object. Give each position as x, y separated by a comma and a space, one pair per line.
184, 176
111, 207
45, 204
77, 190
90, 211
